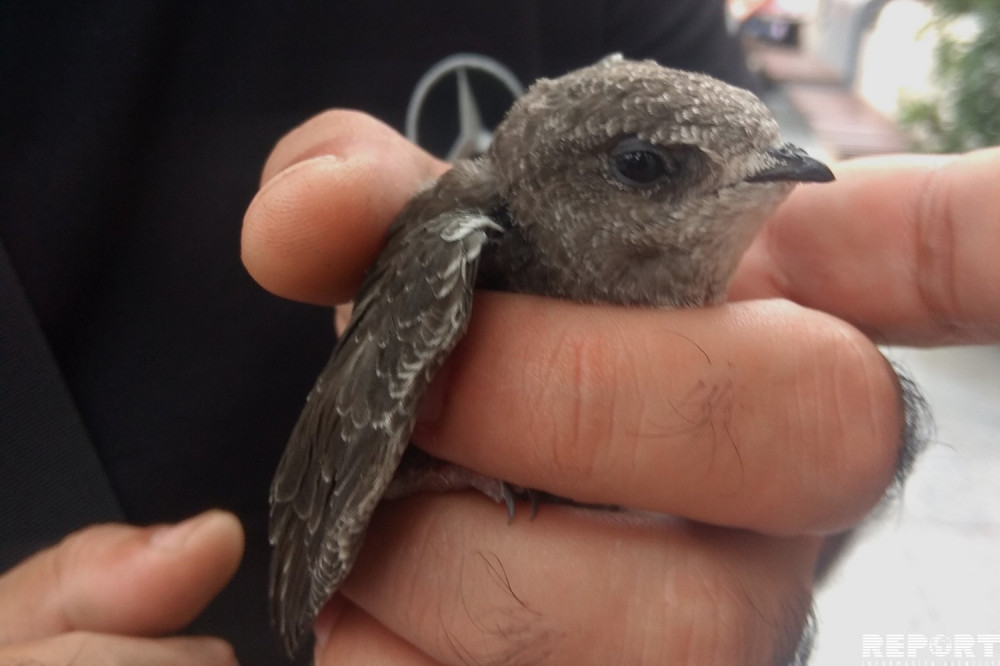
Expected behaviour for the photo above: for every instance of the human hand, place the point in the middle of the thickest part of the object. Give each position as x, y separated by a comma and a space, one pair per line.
109, 594
764, 416
904, 247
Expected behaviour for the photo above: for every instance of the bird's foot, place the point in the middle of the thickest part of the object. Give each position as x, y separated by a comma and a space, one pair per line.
421, 473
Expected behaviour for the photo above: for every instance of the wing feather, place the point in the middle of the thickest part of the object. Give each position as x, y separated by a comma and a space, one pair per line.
411, 310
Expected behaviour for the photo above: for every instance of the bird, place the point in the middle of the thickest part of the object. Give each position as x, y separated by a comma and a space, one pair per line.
622, 182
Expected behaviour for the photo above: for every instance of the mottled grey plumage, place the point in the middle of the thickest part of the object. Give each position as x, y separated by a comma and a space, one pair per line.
623, 182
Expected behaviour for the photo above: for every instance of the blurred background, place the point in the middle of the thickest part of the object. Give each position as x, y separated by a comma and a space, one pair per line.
848, 78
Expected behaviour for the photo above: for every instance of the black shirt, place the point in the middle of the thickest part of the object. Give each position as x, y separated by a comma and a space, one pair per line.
131, 140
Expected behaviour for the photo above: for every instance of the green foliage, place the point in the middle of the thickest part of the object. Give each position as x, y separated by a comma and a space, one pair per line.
964, 110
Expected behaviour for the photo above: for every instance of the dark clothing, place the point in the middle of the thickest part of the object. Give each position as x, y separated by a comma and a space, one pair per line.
131, 140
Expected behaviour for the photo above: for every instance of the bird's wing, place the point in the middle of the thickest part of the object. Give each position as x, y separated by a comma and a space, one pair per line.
411, 309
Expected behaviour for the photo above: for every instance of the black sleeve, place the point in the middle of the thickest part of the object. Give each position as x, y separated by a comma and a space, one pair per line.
689, 34
686, 34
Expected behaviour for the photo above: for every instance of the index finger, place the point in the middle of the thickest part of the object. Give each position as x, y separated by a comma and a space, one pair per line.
904, 247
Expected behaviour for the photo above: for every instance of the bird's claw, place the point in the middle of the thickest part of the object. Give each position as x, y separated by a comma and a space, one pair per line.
510, 494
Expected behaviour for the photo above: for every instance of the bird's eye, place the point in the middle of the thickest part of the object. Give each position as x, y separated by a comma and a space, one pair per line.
639, 163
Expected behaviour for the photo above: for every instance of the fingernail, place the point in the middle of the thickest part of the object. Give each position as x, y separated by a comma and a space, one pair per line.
173, 537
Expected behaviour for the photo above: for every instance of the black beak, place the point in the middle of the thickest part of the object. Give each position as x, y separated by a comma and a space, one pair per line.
790, 162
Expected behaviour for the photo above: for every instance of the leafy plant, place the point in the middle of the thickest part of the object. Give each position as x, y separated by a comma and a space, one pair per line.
964, 110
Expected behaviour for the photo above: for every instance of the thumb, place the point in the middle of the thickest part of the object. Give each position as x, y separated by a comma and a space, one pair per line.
331, 188
122, 580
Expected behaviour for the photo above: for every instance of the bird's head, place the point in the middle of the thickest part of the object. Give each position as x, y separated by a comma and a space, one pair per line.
650, 180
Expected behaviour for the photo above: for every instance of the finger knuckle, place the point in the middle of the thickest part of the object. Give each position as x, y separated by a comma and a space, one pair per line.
583, 412
934, 246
